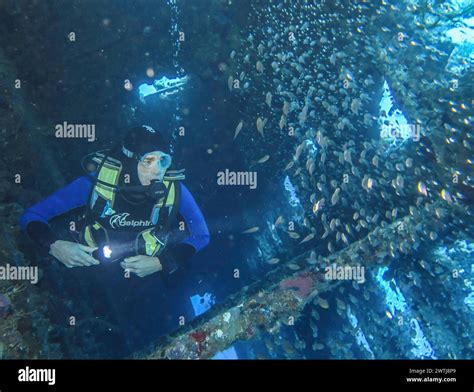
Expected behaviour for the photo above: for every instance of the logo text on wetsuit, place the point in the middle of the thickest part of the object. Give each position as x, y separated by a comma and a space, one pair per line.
120, 220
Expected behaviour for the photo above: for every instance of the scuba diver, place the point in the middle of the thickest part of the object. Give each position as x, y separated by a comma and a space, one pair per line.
138, 211
139, 227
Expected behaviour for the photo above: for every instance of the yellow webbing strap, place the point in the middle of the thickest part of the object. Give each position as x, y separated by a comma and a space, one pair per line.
171, 195
109, 174
88, 234
88, 237
152, 246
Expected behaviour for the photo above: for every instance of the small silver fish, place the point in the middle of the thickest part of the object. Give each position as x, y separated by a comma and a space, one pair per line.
275, 260
309, 237
299, 150
335, 196
279, 221
251, 230
260, 125
268, 99
282, 122
289, 166
286, 108
294, 235
239, 128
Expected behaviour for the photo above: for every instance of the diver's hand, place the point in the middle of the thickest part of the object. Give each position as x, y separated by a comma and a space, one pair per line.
72, 254
142, 265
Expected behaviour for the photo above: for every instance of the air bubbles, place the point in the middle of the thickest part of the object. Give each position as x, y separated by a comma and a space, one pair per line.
150, 72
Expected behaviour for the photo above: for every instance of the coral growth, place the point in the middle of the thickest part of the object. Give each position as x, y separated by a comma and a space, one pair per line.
302, 284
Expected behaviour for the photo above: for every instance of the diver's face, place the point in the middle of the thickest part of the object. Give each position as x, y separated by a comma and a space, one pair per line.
153, 166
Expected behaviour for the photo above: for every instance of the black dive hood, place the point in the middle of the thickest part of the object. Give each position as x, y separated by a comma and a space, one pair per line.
155, 190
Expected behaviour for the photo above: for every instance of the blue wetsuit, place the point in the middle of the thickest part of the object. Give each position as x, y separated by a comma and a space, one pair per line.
35, 220
143, 308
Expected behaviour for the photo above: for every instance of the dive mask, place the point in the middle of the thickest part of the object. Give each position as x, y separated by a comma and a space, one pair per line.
156, 158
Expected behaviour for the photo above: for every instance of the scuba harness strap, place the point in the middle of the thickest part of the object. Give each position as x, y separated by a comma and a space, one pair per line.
90, 225
156, 238
102, 199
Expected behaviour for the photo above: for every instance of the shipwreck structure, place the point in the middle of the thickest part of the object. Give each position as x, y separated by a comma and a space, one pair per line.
417, 252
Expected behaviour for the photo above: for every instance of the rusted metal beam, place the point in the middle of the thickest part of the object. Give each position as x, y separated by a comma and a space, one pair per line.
281, 295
